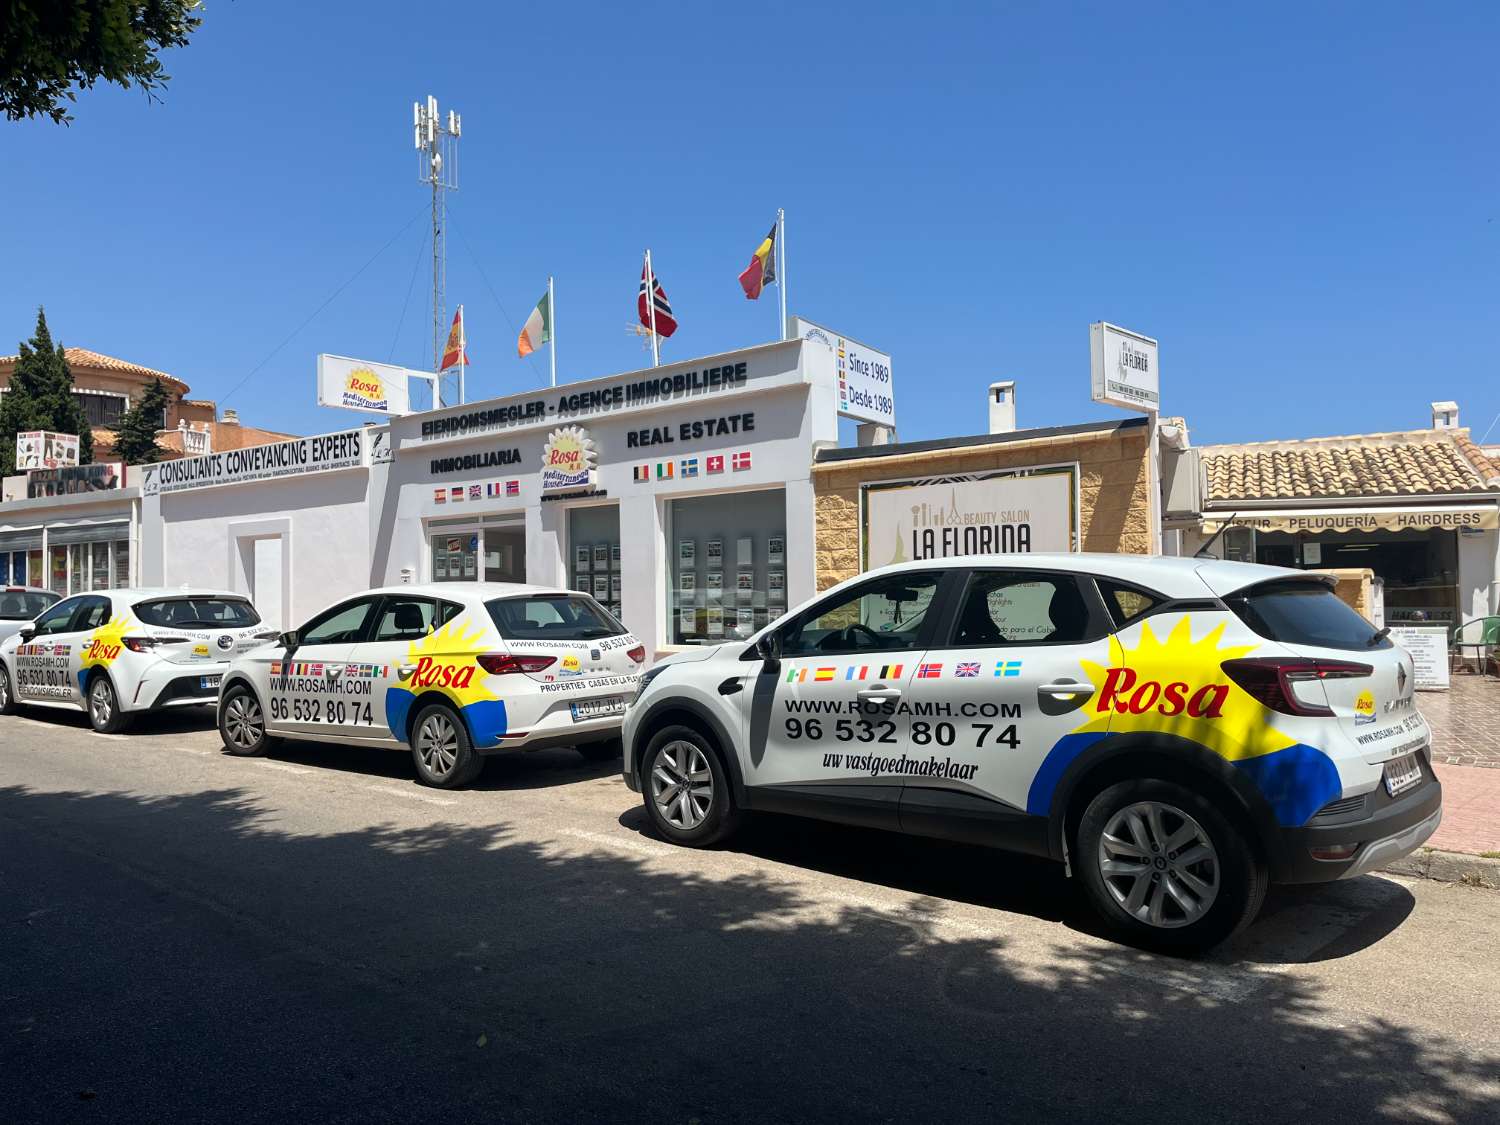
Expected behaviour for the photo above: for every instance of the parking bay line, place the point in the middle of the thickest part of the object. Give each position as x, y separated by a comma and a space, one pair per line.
278, 766
410, 796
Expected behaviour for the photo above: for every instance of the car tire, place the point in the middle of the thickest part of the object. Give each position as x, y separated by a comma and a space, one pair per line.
605, 751
8, 704
242, 724
103, 705
1166, 868
686, 788
441, 749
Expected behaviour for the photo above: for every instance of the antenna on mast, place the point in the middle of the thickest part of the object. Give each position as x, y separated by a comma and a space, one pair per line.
436, 143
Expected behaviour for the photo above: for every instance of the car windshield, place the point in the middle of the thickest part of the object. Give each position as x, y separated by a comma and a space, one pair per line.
23, 605
553, 617
198, 613
1301, 612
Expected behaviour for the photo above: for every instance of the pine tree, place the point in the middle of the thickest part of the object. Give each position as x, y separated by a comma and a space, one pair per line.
135, 435
40, 397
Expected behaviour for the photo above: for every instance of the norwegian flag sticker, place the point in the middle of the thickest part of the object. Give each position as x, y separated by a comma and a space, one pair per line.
930, 672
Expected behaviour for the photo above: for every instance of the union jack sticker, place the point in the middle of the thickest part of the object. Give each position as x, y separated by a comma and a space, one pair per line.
967, 670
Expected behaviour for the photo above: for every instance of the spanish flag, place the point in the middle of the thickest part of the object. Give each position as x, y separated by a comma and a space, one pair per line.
457, 349
762, 268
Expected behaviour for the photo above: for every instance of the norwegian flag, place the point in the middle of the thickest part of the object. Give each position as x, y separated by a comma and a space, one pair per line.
666, 323
966, 670
741, 460
930, 672
716, 464
512, 488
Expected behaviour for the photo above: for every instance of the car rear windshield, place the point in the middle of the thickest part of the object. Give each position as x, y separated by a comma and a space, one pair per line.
1302, 612
198, 613
552, 617
23, 605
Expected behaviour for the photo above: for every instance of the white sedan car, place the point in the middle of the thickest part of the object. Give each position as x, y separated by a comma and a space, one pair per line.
115, 653
1179, 732
455, 672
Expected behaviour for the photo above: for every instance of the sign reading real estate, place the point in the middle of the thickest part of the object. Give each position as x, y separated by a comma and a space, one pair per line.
866, 390
358, 384
1123, 366
40, 449
939, 519
292, 458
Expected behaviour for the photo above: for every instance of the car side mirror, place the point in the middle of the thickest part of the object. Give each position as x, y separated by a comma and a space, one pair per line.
289, 639
26, 632
769, 650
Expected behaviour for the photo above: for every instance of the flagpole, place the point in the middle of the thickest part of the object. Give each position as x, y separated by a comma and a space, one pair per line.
781, 273
651, 309
463, 354
552, 316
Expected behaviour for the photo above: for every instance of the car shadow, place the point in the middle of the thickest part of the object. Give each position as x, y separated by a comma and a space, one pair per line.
536, 769
173, 720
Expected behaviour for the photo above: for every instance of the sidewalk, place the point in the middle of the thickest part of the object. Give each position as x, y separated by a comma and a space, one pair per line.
1465, 725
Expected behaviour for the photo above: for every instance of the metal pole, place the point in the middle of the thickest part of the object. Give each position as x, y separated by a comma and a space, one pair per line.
552, 320
781, 273
437, 278
651, 310
1153, 481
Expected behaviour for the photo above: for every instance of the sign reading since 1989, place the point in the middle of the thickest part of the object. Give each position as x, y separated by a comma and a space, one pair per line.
1123, 366
867, 392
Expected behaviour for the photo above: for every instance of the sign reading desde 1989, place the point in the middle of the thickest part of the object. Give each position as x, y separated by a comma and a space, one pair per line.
866, 389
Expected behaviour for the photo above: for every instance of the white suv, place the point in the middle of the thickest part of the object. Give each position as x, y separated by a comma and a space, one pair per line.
456, 671
116, 653
1178, 731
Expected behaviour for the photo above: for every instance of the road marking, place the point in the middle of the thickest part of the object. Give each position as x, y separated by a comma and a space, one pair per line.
116, 737
282, 766
622, 843
408, 794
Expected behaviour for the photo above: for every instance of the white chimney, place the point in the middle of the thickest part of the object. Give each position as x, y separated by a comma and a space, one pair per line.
231, 418
1003, 407
1444, 415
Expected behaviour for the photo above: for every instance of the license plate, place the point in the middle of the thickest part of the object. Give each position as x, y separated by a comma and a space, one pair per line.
1402, 773
206, 682
597, 708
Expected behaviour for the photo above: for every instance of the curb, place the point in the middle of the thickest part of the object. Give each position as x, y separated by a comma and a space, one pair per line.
1449, 867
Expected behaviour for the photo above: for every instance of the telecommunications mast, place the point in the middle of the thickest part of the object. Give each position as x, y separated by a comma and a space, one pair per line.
437, 164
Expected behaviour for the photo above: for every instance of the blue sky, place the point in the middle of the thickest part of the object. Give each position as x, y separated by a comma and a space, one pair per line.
1299, 201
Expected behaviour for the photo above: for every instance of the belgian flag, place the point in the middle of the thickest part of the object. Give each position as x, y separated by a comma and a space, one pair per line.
762, 268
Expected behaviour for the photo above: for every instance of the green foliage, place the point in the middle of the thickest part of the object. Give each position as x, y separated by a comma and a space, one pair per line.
48, 48
40, 397
135, 436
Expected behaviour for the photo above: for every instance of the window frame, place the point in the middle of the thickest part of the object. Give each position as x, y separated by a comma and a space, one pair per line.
1158, 599
1101, 622
371, 634
77, 599
362, 633
87, 602
937, 613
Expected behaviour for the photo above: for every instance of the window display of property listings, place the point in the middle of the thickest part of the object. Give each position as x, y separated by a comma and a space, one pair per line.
728, 565
594, 540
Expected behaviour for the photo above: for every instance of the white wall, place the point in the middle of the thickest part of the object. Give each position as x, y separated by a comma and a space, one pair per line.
1478, 568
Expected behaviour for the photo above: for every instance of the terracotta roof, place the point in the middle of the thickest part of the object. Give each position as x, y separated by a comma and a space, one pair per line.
82, 357
1412, 463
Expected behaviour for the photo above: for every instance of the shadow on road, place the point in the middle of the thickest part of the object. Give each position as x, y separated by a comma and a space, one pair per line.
536, 769
188, 957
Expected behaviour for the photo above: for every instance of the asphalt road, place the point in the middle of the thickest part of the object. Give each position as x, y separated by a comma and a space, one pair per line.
313, 936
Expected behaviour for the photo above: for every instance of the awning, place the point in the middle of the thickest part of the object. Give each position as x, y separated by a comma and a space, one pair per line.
1336, 521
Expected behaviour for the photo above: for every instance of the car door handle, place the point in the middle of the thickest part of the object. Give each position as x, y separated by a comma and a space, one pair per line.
405, 670
731, 685
878, 694
1066, 687
1062, 696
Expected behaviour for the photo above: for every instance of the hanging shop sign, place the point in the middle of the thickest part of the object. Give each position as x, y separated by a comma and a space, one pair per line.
319, 454
358, 384
1003, 513
569, 460
101, 476
1123, 367
1342, 521
41, 449
866, 390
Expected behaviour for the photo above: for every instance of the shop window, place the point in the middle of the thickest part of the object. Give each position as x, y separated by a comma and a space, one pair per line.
455, 556
58, 565
35, 571
122, 563
594, 541
726, 565
99, 574
78, 568
505, 554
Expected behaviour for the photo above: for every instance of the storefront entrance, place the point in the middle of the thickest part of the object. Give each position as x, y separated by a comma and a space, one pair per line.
1419, 569
492, 549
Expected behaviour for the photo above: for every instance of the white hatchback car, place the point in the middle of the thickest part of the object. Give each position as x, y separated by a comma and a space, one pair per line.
1178, 731
454, 671
20, 606
116, 653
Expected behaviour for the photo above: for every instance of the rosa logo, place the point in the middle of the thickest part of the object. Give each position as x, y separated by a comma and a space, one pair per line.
362, 387
568, 458
99, 650
569, 665
1364, 709
429, 673
1125, 695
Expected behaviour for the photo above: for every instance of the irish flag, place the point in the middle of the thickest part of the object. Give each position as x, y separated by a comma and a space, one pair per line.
538, 328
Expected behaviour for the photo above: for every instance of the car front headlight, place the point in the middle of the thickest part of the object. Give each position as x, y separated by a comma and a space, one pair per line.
645, 680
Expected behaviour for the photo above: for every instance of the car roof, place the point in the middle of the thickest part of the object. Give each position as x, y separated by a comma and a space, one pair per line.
25, 590
168, 592
1175, 577
484, 591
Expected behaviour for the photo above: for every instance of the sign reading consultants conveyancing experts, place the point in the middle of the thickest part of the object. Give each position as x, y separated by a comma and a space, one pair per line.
319, 454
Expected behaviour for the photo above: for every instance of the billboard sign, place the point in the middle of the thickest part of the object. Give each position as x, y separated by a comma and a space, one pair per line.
40, 449
1003, 513
1123, 366
345, 450
101, 476
866, 390
357, 384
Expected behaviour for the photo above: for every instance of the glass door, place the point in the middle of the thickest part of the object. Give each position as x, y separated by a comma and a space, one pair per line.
505, 554
489, 552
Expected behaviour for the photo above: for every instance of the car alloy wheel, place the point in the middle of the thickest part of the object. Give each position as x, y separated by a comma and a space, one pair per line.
1158, 864
4, 688
101, 703
682, 785
244, 725
437, 744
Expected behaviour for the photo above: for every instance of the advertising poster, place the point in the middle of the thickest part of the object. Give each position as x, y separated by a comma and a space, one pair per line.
776, 550
601, 556
715, 621
745, 585
42, 449
71, 479
714, 550
614, 586
746, 552
687, 551
715, 583
614, 556
687, 619
776, 585
581, 556
1002, 514
358, 384
687, 581
601, 587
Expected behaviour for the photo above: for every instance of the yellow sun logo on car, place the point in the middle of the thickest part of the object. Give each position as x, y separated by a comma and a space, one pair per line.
105, 643
444, 662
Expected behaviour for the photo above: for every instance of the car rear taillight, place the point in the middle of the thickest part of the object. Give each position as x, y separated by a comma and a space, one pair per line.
146, 644
1270, 680
637, 654
499, 664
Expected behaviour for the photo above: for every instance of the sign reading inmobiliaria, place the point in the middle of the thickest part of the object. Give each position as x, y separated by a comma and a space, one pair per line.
344, 450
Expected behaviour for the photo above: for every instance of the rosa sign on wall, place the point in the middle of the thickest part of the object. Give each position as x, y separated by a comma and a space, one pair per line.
357, 384
1002, 514
568, 459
